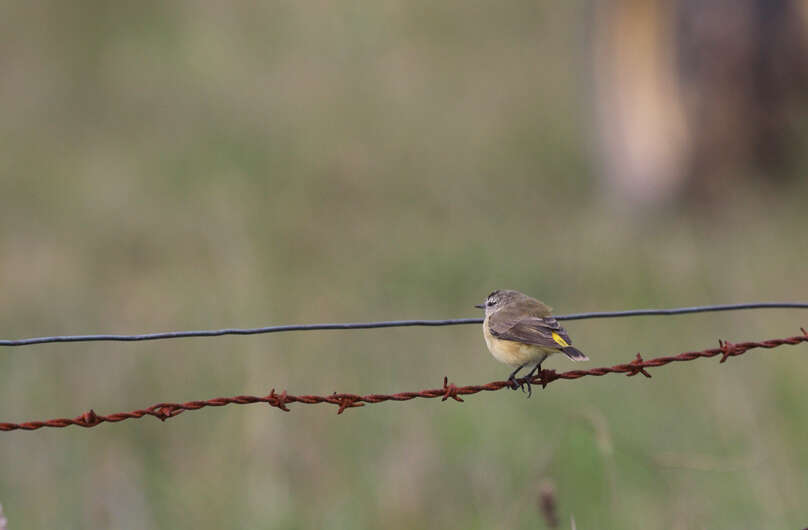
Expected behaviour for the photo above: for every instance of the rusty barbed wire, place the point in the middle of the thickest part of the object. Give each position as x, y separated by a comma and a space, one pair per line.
164, 411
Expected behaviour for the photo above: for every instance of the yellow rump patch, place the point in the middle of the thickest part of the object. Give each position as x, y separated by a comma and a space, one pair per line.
559, 340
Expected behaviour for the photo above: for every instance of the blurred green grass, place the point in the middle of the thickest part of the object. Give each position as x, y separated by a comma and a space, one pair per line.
200, 165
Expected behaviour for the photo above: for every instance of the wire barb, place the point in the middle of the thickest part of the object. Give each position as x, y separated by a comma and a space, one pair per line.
727, 350
278, 401
164, 411
637, 364
450, 391
89, 419
346, 401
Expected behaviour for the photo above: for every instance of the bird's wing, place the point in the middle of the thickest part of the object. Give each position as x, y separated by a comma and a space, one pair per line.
532, 330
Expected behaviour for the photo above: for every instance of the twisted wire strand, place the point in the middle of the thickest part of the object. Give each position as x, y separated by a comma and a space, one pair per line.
164, 411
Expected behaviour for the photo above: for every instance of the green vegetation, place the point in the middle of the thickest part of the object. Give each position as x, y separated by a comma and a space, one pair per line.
187, 166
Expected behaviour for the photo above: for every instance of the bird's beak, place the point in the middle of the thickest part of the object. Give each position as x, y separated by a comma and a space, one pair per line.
480, 306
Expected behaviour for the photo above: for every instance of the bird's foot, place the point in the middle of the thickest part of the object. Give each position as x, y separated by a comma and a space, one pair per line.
520, 384
526, 381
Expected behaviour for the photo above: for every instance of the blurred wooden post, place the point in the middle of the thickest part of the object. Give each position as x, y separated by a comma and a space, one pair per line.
691, 96
640, 122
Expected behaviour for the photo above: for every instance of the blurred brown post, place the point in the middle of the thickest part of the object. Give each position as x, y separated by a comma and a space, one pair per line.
693, 96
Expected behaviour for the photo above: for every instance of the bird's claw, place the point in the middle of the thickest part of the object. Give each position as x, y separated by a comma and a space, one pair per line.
515, 384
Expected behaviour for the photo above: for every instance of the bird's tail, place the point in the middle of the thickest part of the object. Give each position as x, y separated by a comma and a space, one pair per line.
574, 353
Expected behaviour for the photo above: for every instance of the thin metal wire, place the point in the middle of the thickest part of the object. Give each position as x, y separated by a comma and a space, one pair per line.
390, 324
164, 411
685, 310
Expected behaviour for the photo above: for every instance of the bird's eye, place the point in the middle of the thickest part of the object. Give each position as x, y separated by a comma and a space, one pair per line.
491, 302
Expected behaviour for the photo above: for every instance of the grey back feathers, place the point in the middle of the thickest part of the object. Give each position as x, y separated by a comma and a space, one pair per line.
514, 316
516, 303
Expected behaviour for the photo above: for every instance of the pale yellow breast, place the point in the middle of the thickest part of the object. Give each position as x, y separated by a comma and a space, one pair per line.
514, 353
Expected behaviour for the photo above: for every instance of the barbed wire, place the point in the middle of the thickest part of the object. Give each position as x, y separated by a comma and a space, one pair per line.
164, 411
389, 324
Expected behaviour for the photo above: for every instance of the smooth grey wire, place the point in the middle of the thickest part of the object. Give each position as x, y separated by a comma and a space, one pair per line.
389, 324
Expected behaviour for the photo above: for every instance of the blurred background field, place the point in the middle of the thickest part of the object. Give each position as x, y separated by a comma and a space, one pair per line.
195, 165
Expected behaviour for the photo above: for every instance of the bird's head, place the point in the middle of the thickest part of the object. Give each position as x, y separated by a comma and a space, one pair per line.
499, 299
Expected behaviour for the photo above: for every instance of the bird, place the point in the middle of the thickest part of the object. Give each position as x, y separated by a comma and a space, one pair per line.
520, 331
